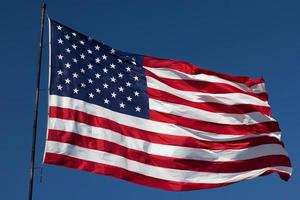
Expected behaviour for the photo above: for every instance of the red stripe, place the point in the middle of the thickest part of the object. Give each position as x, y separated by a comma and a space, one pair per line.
259, 128
69, 114
189, 68
204, 87
117, 172
168, 162
209, 106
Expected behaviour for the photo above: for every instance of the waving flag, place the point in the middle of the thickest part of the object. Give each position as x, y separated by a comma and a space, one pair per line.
161, 123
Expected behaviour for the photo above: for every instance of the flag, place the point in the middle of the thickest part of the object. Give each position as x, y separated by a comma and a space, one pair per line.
157, 122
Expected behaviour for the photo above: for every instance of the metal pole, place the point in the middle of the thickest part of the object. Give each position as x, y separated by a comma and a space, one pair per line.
36, 103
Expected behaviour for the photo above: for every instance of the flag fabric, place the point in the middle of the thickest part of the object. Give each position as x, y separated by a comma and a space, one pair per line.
157, 122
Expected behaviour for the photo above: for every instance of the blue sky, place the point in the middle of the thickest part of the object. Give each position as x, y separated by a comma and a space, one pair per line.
250, 38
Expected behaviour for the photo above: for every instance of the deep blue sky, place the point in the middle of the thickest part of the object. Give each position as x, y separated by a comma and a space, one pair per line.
237, 37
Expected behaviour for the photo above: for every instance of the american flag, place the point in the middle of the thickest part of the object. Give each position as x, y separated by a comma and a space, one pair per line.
157, 122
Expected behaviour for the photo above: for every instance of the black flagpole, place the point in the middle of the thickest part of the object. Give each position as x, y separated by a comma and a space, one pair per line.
36, 103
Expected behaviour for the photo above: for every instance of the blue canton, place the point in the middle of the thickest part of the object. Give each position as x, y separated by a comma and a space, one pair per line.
88, 70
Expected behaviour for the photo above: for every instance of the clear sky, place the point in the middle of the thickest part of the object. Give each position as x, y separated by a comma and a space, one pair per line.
253, 38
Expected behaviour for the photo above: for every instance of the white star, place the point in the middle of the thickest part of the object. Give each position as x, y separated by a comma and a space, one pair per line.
128, 69
97, 75
120, 75
137, 109
81, 42
59, 87
83, 85
122, 105
113, 95
75, 91
67, 81
129, 98
74, 34
91, 95
59, 27
112, 51
59, 72
136, 93
136, 78
60, 57
90, 38
106, 101
90, 66
97, 60
75, 75
104, 57
105, 70
119, 60
128, 84
60, 41
90, 81
113, 66
82, 70
105, 85
89, 51
67, 37
121, 89
74, 46
113, 79
68, 50
98, 90
68, 65
82, 56
74, 60
133, 62
97, 47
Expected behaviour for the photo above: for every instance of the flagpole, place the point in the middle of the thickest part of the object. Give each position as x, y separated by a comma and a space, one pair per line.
36, 102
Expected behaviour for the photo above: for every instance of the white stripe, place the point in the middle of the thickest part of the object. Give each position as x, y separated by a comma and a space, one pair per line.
49, 75
228, 99
153, 171
166, 150
145, 124
174, 74
198, 114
